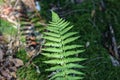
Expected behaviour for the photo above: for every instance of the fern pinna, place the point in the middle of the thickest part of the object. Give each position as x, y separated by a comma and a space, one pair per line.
60, 51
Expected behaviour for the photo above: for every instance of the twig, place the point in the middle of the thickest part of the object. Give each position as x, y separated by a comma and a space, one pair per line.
114, 44
16, 4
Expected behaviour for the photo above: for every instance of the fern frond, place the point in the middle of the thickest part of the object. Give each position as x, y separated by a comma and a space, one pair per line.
60, 51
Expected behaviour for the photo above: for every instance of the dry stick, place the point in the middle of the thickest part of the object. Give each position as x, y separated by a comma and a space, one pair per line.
114, 42
16, 4
37, 68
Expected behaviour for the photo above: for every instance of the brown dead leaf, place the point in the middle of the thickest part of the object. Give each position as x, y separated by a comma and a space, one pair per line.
18, 62
13, 74
5, 74
30, 4
31, 53
12, 69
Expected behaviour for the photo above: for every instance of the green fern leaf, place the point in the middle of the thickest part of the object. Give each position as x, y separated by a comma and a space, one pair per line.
55, 30
53, 55
68, 66
52, 34
64, 25
52, 38
64, 54
70, 60
64, 61
61, 24
74, 78
69, 53
66, 72
66, 30
71, 39
67, 35
34, 20
71, 71
55, 17
54, 44
69, 78
60, 21
57, 50
69, 47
